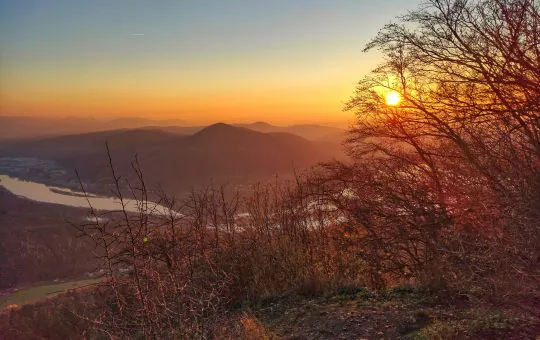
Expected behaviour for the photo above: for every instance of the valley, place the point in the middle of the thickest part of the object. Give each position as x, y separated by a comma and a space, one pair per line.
41, 198
237, 170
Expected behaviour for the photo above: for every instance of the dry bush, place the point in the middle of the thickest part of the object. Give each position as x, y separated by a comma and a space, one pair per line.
174, 268
288, 241
162, 280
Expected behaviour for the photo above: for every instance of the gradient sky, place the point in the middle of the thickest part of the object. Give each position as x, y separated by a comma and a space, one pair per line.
283, 61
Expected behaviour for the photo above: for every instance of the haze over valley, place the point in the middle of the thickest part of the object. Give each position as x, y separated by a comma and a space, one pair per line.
176, 157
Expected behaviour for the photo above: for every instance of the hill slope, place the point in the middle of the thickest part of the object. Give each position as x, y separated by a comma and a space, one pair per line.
310, 132
220, 152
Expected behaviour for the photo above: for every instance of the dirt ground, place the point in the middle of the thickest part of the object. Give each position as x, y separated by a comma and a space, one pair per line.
402, 315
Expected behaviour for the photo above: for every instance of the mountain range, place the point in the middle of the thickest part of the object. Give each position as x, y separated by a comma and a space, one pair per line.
17, 128
219, 152
311, 132
13, 128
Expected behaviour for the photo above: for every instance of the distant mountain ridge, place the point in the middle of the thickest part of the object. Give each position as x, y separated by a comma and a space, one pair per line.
13, 128
219, 152
16, 128
311, 132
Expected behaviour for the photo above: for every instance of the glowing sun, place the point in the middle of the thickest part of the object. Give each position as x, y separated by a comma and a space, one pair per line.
393, 98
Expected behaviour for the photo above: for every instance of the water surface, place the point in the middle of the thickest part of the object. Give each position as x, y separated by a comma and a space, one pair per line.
50, 194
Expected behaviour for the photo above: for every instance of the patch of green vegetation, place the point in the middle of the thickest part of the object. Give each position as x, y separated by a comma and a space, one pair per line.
353, 291
33, 294
399, 292
349, 292
468, 323
406, 294
440, 330
405, 289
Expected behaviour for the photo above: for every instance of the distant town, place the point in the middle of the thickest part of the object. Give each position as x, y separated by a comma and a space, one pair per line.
34, 169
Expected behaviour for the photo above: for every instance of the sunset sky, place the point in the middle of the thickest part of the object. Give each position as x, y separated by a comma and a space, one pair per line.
281, 61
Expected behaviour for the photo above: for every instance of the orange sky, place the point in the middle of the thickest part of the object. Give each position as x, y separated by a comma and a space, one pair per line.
281, 63
298, 93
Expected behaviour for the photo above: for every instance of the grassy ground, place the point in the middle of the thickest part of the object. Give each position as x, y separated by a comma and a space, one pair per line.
41, 292
358, 314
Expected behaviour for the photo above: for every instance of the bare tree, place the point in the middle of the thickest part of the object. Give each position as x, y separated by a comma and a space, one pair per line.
464, 141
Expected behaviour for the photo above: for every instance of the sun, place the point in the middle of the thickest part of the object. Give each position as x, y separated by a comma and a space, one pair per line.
393, 98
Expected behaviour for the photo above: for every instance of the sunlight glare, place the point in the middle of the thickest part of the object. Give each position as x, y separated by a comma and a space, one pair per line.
393, 98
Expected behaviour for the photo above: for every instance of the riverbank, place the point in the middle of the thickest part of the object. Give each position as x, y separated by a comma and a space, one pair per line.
13, 298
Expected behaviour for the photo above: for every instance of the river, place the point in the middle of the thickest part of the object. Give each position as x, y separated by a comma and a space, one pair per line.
50, 194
